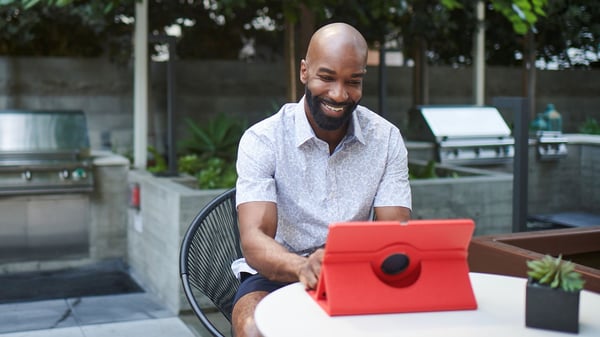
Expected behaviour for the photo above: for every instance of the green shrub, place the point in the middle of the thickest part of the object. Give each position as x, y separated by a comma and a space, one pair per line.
218, 137
590, 126
216, 174
210, 152
159, 164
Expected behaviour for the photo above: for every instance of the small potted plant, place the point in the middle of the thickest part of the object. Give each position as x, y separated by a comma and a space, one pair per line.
552, 296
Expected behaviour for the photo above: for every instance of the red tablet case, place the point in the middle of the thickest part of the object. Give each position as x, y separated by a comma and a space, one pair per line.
437, 277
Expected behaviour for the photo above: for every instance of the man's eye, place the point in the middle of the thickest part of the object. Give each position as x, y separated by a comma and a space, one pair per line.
326, 78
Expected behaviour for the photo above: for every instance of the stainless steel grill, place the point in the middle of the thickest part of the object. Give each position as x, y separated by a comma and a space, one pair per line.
44, 152
465, 135
46, 177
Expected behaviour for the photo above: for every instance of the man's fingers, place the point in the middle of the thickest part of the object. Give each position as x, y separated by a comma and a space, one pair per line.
309, 277
310, 272
308, 280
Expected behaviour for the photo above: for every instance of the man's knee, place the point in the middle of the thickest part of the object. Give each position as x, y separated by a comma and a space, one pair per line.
243, 314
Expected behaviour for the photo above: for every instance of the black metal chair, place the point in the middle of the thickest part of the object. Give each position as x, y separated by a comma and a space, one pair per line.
210, 245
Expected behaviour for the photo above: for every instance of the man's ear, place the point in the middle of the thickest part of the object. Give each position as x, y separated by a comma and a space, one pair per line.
303, 71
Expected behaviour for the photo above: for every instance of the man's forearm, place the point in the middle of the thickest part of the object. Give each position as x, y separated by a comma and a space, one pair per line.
271, 259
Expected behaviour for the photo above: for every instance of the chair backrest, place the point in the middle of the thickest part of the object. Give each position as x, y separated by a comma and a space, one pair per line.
210, 245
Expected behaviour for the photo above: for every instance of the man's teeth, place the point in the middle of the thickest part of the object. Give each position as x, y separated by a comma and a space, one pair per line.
333, 108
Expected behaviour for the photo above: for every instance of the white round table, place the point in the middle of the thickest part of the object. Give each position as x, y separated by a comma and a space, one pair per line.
290, 311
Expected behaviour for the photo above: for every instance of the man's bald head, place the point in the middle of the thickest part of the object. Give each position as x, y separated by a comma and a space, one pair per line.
337, 37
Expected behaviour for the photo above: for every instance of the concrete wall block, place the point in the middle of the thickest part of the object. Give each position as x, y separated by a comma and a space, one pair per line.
108, 213
165, 214
471, 197
590, 178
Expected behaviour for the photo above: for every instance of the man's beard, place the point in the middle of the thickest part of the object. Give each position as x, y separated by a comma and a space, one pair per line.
323, 121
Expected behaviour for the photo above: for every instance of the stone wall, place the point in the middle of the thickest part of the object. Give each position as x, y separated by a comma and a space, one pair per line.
251, 90
590, 178
568, 184
155, 232
487, 199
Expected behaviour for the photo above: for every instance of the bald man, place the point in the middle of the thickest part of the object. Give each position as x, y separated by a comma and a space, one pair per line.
324, 159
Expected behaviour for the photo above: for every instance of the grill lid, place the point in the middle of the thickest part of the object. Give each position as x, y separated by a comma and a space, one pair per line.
465, 134
24, 132
44, 152
465, 122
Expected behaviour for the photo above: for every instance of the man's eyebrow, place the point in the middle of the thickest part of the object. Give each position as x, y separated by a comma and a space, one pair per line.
325, 70
331, 72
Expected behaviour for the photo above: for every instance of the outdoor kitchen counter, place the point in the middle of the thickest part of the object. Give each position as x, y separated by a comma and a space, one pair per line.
578, 138
107, 158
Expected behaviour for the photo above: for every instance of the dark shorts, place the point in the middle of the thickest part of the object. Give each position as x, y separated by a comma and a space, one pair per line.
256, 282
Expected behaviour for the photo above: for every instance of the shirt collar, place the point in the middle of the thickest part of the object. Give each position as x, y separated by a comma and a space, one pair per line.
303, 131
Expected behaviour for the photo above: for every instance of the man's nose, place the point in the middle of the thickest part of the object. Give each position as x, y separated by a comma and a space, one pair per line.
338, 93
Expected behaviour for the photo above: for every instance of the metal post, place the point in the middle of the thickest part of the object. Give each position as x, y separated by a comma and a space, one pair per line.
171, 95
520, 181
520, 108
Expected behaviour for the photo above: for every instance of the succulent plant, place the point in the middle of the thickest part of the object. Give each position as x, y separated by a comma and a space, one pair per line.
555, 273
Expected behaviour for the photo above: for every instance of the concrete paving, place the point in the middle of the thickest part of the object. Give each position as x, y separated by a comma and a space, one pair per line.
97, 300
131, 315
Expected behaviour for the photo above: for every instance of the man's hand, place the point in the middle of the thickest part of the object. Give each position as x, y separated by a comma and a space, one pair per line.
311, 269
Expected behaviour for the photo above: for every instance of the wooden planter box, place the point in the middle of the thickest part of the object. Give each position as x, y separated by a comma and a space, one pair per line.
506, 254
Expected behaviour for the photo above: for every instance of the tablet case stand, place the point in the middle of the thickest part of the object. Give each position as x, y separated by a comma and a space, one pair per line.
392, 267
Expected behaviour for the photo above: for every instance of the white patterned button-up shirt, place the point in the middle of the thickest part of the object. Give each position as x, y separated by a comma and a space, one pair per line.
281, 160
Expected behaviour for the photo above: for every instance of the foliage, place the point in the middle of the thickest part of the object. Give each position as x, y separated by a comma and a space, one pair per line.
566, 31
426, 172
429, 171
522, 14
211, 150
217, 174
159, 164
65, 28
215, 29
590, 126
218, 137
569, 25
555, 273
567, 35
210, 174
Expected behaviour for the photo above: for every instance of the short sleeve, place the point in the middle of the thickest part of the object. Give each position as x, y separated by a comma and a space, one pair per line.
255, 168
394, 188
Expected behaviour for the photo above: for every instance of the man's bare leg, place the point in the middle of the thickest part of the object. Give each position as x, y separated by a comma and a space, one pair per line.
242, 317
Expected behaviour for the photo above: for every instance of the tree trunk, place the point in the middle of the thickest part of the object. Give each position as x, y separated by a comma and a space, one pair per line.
420, 78
290, 61
305, 30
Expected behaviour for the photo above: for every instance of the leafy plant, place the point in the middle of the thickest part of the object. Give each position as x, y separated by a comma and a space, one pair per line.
590, 126
218, 137
426, 172
159, 163
555, 273
216, 174
189, 164
211, 151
